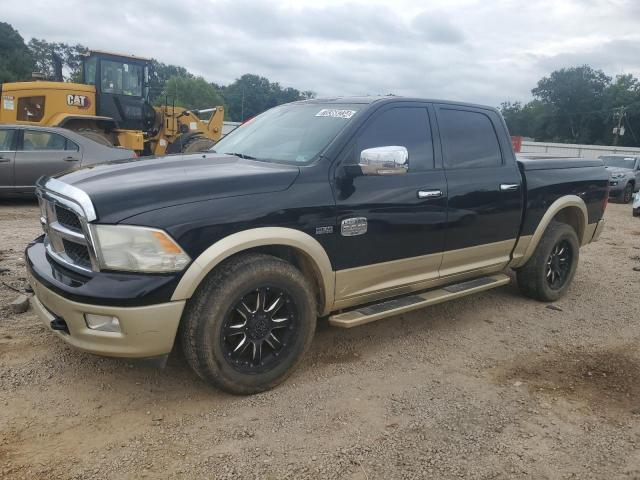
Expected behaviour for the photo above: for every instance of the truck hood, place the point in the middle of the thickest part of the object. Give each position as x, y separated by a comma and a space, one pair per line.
122, 189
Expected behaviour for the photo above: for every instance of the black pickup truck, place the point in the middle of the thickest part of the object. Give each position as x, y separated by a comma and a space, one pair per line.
353, 209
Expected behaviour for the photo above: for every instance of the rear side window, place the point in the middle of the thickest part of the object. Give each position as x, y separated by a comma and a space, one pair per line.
35, 140
6, 140
403, 126
468, 139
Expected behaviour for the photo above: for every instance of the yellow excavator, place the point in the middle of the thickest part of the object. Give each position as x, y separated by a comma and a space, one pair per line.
111, 106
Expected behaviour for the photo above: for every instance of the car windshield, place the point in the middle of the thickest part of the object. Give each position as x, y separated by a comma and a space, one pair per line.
620, 162
289, 134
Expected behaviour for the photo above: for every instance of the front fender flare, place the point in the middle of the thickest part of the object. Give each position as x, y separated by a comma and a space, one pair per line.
259, 237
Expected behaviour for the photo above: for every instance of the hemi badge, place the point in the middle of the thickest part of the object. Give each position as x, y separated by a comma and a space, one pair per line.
353, 226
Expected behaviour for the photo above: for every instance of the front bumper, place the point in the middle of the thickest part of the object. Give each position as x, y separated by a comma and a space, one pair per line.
146, 331
148, 319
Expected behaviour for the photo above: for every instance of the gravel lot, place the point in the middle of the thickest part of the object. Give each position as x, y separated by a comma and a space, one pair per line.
491, 386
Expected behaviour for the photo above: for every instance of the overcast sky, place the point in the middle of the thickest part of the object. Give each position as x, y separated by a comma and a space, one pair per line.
482, 51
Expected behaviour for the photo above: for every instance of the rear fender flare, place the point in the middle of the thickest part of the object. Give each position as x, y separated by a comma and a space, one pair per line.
573, 202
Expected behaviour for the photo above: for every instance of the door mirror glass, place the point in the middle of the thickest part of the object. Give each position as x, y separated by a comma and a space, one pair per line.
391, 160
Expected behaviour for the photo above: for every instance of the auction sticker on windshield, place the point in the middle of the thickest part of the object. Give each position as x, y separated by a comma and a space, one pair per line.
331, 112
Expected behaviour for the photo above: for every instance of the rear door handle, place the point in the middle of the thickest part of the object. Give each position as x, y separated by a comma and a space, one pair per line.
509, 187
429, 193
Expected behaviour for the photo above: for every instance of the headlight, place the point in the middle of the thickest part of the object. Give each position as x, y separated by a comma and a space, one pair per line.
617, 175
137, 249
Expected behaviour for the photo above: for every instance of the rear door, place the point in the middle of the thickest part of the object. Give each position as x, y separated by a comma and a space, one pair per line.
401, 218
7, 155
43, 153
484, 187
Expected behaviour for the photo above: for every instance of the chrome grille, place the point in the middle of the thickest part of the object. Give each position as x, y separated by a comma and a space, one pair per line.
68, 236
68, 218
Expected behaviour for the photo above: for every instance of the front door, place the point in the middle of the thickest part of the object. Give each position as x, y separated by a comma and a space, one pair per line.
43, 153
390, 234
7, 155
485, 190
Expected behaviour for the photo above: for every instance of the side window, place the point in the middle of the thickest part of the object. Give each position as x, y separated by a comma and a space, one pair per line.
30, 109
69, 145
402, 126
6, 140
468, 139
35, 140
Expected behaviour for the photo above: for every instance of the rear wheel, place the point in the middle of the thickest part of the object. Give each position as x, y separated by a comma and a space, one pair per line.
249, 324
197, 144
548, 273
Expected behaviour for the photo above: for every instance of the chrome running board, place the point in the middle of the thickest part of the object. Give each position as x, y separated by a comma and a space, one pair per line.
395, 306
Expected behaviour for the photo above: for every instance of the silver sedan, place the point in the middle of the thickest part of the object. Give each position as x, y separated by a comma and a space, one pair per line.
28, 152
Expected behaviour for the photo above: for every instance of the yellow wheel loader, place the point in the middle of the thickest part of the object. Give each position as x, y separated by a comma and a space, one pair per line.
111, 106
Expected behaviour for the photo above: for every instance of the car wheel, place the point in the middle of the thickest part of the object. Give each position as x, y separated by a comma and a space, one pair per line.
548, 273
627, 194
249, 324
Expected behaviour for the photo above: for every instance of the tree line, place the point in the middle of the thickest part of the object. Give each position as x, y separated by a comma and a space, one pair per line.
571, 105
244, 98
579, 105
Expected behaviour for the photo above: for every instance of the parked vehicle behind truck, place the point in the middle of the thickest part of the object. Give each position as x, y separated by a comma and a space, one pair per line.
624, 172
353, 209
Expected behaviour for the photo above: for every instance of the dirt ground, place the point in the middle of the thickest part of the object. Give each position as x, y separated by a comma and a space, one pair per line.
490, 386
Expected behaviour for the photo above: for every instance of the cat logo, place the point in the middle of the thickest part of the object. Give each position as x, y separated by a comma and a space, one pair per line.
80, 101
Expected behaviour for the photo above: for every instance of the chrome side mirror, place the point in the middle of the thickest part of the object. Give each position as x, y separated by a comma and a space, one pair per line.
392, 160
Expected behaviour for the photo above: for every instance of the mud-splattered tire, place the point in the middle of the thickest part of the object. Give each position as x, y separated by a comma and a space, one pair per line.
198, 144
249, 324
548, 273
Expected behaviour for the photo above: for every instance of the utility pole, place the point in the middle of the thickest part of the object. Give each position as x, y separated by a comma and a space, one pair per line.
619, 130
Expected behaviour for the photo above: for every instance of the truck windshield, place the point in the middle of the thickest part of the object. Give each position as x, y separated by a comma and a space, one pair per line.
620, 162
289, 134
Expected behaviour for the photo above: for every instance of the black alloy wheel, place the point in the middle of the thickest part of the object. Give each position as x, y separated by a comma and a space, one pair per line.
559, 264
259, 329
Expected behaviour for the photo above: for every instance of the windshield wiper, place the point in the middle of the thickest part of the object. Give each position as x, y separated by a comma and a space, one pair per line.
241, 155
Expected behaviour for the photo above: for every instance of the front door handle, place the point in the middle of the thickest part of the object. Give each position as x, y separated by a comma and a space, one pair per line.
4, 160
71, 159
509, 187
429, 193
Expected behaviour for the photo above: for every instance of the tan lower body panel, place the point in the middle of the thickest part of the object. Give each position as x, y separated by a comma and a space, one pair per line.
360, 285
397, 306
147, 331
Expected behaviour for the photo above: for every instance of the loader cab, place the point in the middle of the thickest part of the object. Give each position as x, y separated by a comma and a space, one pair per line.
122, 88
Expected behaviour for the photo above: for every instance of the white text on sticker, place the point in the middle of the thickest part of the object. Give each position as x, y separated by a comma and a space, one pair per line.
330, 112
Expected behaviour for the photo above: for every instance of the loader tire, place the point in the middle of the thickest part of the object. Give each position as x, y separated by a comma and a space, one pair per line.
97, 136
197, 144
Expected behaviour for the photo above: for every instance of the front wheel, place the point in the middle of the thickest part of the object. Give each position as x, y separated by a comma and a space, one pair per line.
249, 324
548, 273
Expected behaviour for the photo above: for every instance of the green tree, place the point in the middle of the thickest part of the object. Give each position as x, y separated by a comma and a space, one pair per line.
160, 74
251, 94
190, 92
43, 51
576, 97
15, 60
